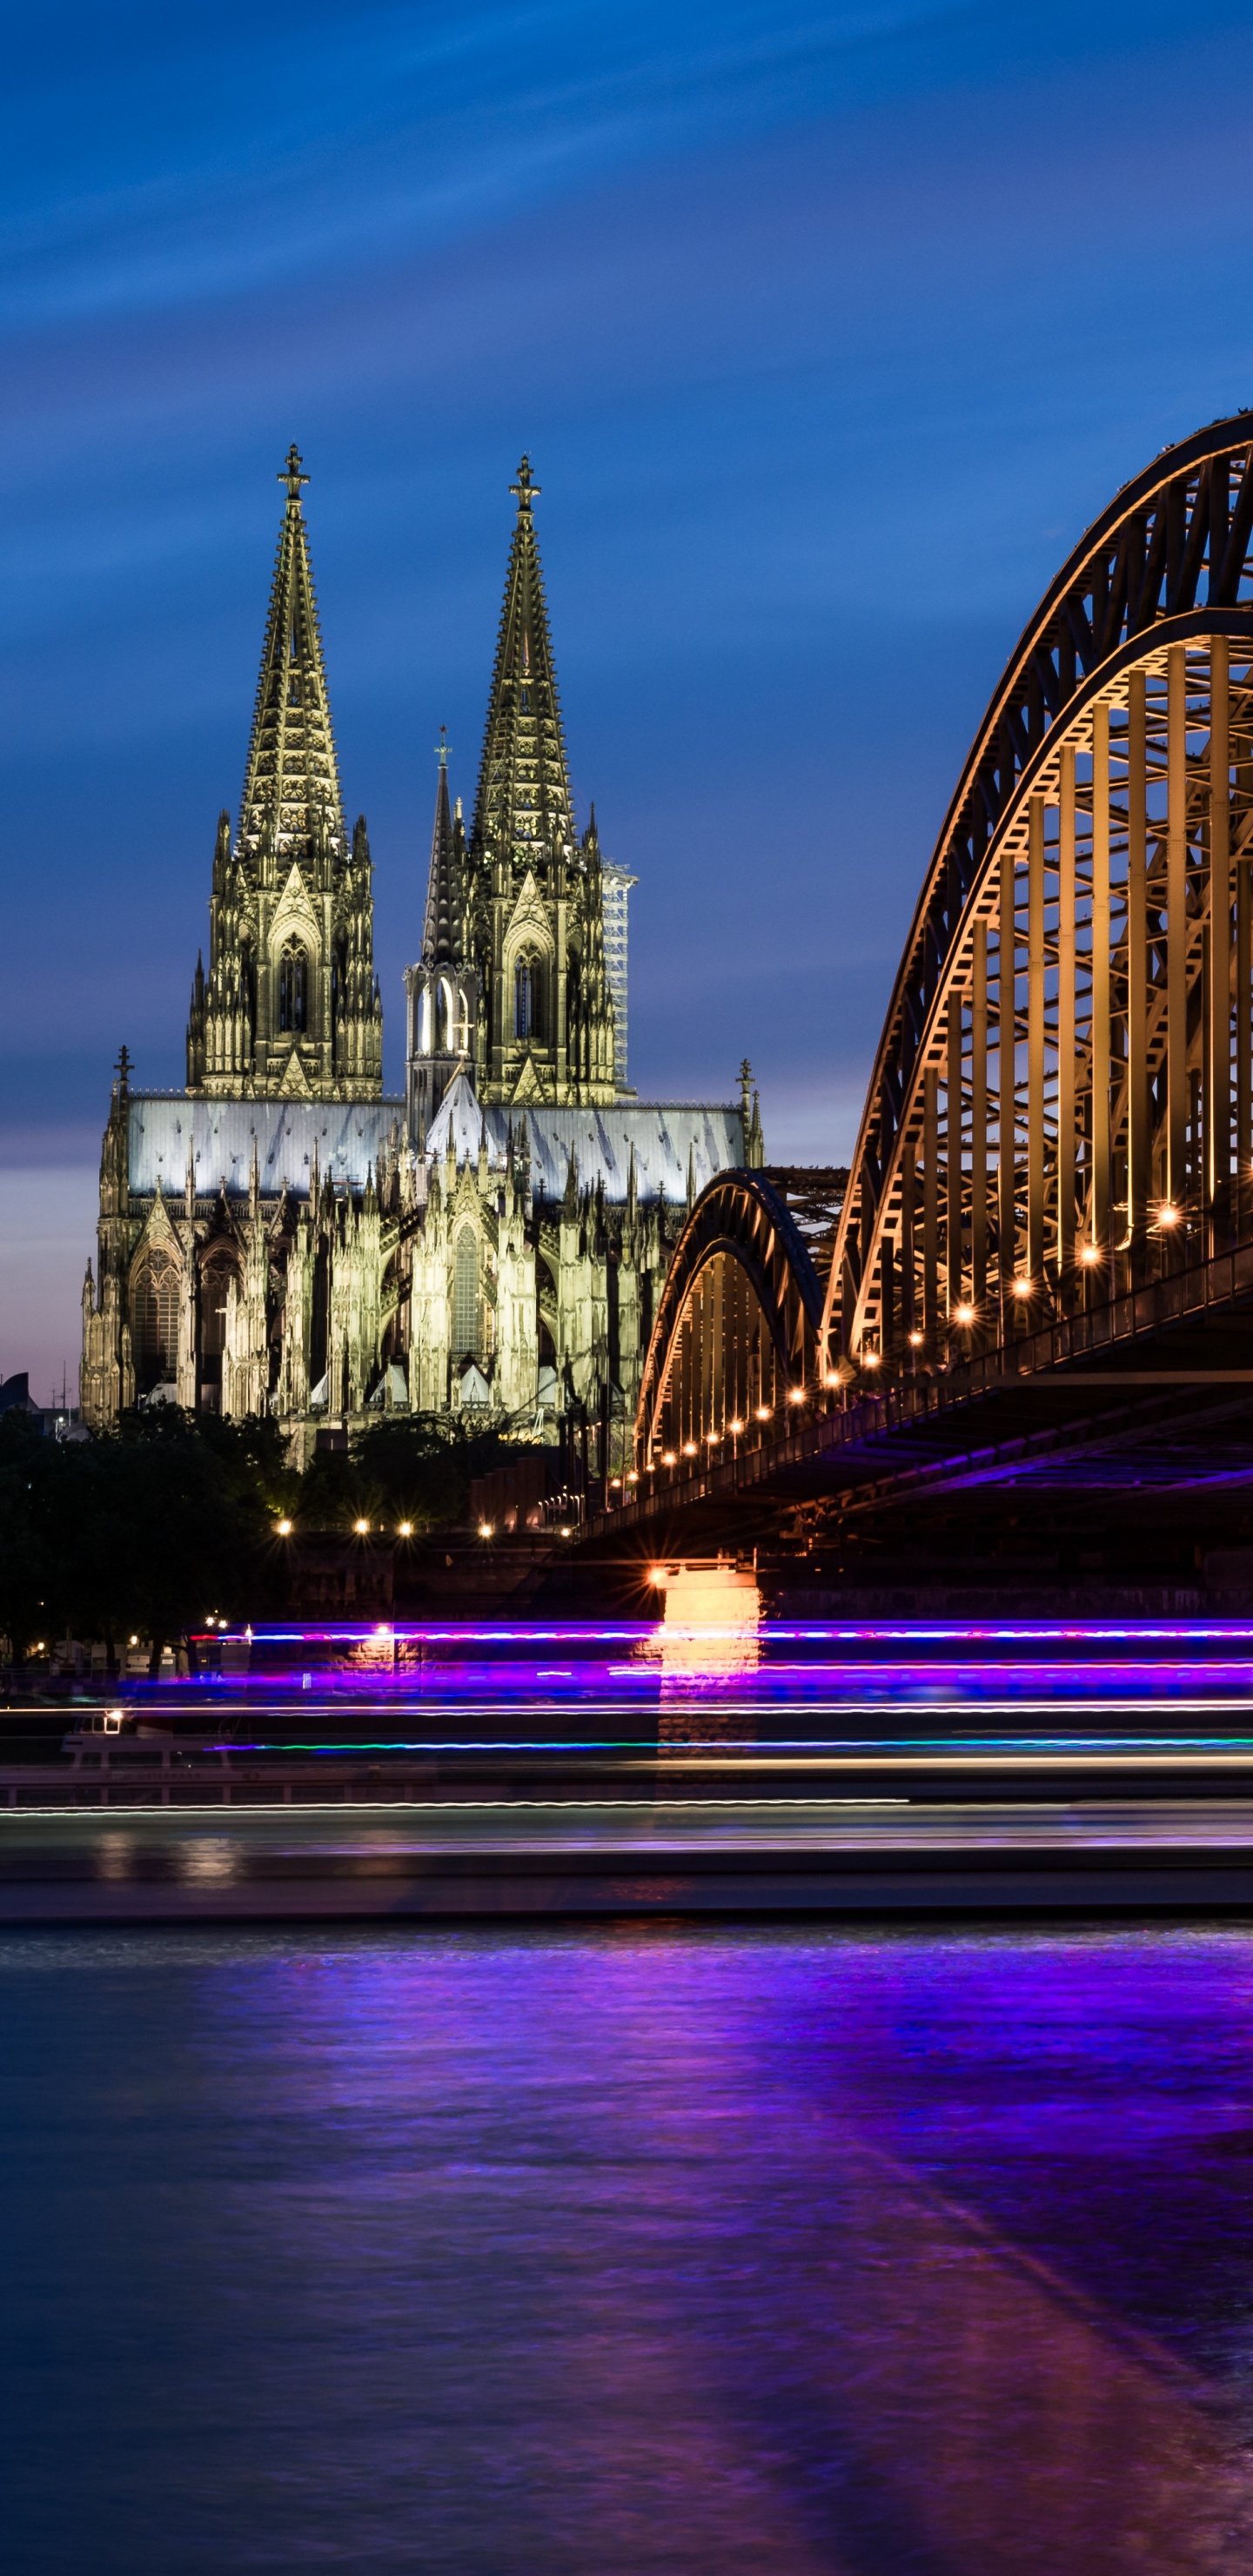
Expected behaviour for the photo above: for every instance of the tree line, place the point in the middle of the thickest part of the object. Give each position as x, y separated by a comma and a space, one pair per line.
173, 1518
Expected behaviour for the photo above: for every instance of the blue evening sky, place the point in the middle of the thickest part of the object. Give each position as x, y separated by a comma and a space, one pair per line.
827, 329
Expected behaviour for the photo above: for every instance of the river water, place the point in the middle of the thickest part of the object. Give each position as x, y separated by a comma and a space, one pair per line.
664, 2248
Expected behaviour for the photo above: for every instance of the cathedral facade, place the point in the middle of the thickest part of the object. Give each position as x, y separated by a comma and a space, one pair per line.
279, 1237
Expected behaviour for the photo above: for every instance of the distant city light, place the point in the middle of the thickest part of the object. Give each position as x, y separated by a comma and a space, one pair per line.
283, 1528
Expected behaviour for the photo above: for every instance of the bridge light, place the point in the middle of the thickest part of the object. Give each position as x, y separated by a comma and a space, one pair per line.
963, 1314
632, 1478
668, 1457
656, 1574
735, 1426
870, 1359
1168, 1215
1089, 1253
796, 1395
915, 1341
615, 1480
689, 1448
1022, 1287
762, 1412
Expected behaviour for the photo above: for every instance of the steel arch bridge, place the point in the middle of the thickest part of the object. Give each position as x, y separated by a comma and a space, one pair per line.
737, 1325
1061, 1106
1060, 1102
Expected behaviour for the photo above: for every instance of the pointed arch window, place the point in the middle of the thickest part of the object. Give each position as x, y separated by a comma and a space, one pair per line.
293, 989
154, 1317
528, 997
465, 1298
218, 1270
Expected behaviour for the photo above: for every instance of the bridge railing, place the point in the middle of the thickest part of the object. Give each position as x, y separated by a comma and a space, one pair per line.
854, 1417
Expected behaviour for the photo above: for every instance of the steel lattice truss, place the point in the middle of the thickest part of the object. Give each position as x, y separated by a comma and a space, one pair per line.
1061, 1101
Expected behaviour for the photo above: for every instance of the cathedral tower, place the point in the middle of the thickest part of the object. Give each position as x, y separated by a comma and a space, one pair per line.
290, 1006
535, 934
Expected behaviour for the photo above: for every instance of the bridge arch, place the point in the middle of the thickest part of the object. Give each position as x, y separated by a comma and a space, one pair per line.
737, 1325
1061, 1105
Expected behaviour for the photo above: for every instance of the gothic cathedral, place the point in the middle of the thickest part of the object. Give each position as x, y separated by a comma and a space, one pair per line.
281, 1238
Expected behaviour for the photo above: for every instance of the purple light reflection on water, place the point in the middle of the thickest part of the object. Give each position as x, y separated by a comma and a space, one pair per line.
634, 2251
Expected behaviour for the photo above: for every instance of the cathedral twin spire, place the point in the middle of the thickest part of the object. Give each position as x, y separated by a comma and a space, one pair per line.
291, 784
290, 1007
523, 812
513, 955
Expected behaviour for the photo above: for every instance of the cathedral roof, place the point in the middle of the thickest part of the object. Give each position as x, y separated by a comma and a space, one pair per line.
348, 1137
667, 1138
291, 785
523, 810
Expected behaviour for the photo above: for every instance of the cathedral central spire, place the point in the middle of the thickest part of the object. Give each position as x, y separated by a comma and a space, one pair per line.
442, 934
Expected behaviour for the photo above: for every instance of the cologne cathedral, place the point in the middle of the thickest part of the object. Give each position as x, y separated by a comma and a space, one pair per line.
280, 1237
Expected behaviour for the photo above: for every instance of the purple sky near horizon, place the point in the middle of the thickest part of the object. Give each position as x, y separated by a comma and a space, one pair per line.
827, 329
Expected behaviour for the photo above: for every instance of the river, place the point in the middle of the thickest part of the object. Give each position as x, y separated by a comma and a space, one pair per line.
627, 2249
